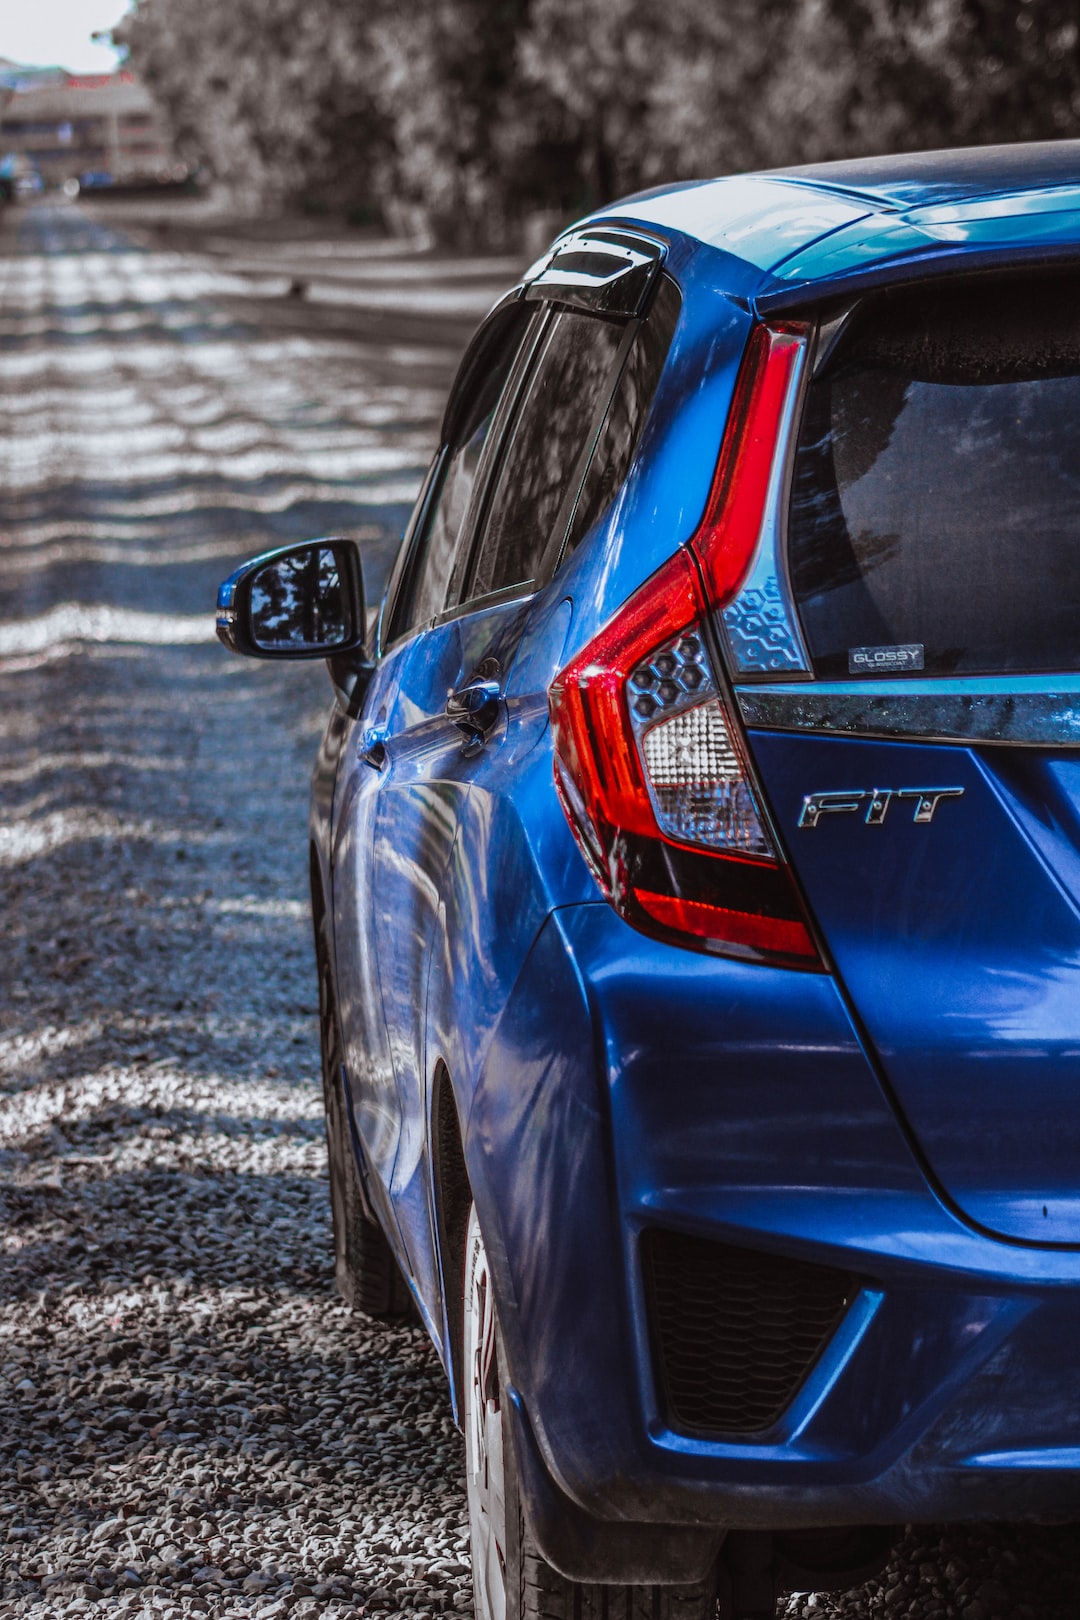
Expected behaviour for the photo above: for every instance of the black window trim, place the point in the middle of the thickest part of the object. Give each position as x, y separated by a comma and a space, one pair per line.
550, 295
401, 572
553, 550
408, 559
465, 380
515, 391
519, 592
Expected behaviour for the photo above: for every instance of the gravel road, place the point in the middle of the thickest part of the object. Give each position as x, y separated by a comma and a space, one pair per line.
191, 1422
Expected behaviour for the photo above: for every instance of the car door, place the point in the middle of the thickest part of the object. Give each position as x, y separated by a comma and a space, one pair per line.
521, 428
391, 822
573, 441
922, 760
551, 408
370, 1090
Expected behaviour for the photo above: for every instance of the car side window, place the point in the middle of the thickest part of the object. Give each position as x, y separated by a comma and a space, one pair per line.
569, 385
625, 419
466, 426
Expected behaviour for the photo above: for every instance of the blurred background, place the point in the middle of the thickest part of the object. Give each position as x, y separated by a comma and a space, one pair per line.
492, 121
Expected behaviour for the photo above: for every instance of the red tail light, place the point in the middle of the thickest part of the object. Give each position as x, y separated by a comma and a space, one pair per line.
650, 765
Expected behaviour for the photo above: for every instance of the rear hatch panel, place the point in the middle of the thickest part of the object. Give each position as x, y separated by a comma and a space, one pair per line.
929, 529
958, 940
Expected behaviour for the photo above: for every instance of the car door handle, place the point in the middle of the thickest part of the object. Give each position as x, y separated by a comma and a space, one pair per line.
474, 709
373, 746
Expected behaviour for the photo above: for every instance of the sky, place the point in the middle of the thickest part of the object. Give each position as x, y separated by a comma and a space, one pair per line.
56, 33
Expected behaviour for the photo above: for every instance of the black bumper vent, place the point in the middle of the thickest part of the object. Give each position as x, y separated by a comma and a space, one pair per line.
735, 1331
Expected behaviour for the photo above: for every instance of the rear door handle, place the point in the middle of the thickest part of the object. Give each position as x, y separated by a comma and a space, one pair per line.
373, 746
474, 710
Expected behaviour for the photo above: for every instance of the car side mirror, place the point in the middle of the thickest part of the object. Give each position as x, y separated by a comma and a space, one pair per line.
300, 601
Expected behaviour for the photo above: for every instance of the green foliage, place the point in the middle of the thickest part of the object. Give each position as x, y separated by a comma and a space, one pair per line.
473, 114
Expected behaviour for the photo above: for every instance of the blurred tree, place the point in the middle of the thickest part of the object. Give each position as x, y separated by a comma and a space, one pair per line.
644, 90
853, 77
1018, 69
443, 70
274, 98
863, 76
470, 114
588, 66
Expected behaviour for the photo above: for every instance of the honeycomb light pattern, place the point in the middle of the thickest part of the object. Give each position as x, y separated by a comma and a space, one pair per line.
759, 631
694, 774
735, 1331
675, 673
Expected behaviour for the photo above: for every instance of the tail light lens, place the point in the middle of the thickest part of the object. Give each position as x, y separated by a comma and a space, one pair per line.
650, 765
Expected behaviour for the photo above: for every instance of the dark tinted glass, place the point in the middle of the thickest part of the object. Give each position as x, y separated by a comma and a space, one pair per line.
568, 388
936, 501
468, 422
626, 415
447, 517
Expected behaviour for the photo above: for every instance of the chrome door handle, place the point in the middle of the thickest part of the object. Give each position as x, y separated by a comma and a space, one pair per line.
373, 746
474, 709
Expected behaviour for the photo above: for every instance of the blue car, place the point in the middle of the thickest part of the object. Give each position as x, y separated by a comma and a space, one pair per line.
695, 863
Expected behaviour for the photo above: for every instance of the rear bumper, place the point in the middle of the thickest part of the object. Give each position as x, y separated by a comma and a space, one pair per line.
633, 1085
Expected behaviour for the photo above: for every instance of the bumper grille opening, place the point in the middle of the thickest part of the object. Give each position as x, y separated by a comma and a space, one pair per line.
734, 1331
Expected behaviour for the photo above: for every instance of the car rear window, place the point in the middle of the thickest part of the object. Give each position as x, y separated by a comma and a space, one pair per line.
935, 509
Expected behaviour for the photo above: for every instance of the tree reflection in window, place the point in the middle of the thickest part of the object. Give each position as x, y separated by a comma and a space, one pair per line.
297, 602
571, 379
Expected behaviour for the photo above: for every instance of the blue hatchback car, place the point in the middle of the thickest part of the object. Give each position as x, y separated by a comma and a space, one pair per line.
695, 862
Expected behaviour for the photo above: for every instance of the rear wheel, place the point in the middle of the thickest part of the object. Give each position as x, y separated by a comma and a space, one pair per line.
365, 1270
511, 1581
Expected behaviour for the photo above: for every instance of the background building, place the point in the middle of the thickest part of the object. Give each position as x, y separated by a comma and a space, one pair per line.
85, 127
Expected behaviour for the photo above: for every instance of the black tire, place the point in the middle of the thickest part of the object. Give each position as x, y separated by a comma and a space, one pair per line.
546, 1595
366, 1273
533, 1589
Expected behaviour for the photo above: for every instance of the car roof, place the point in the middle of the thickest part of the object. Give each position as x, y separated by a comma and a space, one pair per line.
813, 231
921, 179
